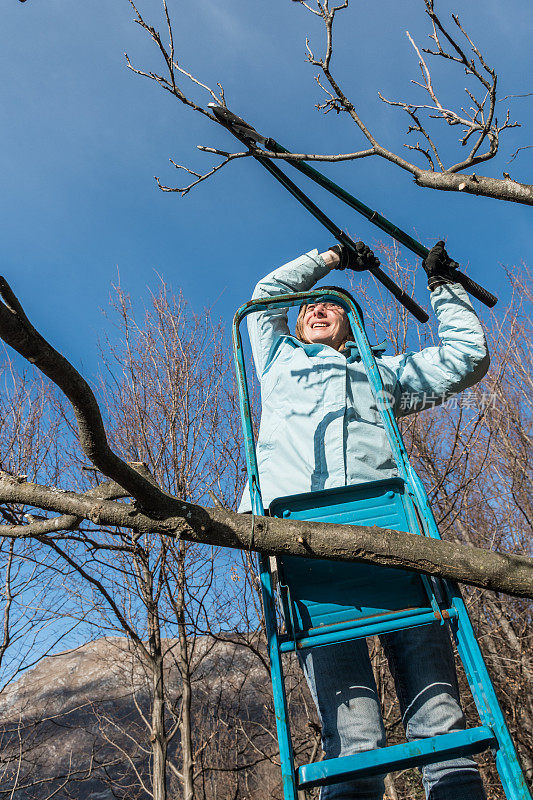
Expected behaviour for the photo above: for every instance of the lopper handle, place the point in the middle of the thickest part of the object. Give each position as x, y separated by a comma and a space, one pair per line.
476, 290
404, 298
377, 219
471, 286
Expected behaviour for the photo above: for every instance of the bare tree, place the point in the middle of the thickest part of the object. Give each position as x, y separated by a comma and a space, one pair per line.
169, 404
32, 598
477, 119
139, 567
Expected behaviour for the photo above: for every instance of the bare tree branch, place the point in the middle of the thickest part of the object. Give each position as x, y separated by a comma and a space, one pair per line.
183, 190
507, 96
526, 147
171, 64
110, 490
480, 127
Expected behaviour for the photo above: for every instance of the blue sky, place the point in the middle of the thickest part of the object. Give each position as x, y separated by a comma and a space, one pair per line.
83, 138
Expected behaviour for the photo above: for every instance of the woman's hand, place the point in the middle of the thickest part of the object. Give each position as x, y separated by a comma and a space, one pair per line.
439, 267
363, 257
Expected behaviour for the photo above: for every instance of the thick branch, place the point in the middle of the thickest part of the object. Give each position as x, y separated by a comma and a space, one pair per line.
502, 572
498, 188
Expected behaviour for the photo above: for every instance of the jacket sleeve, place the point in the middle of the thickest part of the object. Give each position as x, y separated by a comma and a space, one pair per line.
267, 327
427, 378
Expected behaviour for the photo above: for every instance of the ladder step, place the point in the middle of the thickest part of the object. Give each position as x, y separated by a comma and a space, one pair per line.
365, 627
398, 756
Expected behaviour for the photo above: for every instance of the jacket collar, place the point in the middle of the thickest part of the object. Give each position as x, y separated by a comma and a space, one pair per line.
351, 351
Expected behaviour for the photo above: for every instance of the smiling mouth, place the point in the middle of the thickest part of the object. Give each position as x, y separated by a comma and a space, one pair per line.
319, 325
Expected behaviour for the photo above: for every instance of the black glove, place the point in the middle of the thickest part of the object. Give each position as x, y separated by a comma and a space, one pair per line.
439, 267
362, 259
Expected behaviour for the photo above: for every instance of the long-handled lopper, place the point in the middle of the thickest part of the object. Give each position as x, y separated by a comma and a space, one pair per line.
249, 136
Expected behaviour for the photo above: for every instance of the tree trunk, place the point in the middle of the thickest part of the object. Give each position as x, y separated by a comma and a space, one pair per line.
186, 697
158, 737
390, 788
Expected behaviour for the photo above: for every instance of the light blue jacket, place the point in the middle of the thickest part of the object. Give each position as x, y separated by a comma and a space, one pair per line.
320, 426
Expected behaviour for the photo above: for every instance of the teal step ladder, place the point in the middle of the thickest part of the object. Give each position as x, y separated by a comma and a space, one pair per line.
326, 602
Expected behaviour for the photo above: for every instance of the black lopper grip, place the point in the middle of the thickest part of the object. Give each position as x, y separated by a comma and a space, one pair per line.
476, 290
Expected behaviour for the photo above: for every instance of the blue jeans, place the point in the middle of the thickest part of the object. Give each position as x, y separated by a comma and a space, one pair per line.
342, 684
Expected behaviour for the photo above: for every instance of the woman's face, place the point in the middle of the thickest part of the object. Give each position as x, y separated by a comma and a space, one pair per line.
325, 323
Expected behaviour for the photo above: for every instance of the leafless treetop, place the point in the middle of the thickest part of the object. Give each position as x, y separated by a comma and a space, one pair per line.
475, 113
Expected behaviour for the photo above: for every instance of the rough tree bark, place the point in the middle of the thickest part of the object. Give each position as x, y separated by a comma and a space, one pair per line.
155, 666
187, 757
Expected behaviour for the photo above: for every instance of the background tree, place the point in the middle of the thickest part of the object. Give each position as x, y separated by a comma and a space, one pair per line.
154, 515
169, 404
34, 604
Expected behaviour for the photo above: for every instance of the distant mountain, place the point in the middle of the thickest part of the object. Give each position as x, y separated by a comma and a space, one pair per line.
73, 725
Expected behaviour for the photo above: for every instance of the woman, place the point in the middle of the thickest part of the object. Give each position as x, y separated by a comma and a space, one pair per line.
321, 428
